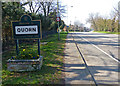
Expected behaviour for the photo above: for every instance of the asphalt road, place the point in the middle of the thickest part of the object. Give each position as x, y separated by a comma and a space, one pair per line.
100, 52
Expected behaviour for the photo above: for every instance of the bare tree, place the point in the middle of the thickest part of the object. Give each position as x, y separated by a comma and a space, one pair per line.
117, 9
46, 7
31, 6
43, 7
92, 19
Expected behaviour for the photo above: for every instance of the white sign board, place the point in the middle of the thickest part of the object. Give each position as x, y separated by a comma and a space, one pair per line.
33, 29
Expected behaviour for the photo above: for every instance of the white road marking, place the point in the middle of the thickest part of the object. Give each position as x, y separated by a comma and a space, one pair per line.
101, 50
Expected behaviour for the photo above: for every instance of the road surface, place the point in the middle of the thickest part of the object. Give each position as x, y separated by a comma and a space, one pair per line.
100, 52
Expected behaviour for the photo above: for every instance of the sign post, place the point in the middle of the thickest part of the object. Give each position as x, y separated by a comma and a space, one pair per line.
58, 19
17, 46
38, 46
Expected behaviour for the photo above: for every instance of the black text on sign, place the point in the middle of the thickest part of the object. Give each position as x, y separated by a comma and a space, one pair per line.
26, 29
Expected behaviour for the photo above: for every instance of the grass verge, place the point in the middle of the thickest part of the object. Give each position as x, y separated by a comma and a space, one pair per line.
108, 32
51, 71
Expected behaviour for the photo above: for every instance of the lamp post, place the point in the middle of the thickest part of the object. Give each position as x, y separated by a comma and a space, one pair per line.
75, 24
67, 15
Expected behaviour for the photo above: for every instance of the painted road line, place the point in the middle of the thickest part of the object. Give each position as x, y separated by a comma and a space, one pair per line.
101, 50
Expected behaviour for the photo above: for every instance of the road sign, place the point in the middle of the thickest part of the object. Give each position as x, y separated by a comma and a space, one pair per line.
58, 19
26, 28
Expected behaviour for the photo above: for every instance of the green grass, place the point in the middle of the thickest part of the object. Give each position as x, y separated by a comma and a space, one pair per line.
51, 71
108, 32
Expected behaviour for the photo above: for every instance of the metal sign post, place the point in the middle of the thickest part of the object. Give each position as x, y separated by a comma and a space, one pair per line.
17, 47
58, 19
58, 31
38, 46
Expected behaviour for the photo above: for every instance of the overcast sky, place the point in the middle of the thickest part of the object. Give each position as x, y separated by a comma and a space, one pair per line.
82, 8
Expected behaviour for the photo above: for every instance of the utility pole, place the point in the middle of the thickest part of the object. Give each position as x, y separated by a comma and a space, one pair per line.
58, 21
119, 16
